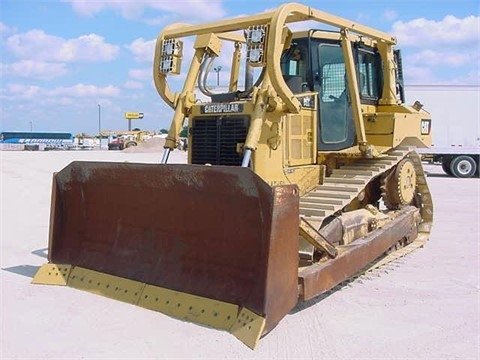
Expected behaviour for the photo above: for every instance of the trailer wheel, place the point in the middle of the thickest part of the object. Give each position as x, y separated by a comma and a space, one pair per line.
446, 163
463, 166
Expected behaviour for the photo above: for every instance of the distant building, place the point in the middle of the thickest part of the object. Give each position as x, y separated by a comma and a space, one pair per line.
36, 140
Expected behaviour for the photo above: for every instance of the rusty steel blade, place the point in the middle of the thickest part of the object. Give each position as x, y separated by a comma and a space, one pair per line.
216, 232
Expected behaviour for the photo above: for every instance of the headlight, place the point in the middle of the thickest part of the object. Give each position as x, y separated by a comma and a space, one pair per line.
256, 37
256, 34
255, 55
172, 47
171, 56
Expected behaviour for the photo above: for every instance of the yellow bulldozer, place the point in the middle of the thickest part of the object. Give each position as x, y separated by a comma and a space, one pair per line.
300, 176
119, 140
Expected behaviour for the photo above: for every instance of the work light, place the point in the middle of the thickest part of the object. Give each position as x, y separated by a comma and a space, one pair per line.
171, 56
256, 37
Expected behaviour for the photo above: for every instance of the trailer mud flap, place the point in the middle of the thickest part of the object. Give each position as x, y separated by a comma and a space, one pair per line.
208, 244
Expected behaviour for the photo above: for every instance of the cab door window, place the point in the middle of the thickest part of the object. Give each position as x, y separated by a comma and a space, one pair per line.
335, 113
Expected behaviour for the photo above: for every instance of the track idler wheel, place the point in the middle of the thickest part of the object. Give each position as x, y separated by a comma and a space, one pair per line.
398, 187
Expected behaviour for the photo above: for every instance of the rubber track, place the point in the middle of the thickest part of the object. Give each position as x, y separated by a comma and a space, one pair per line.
345, 183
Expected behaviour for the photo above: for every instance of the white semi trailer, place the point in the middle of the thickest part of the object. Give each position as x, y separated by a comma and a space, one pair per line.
455, 111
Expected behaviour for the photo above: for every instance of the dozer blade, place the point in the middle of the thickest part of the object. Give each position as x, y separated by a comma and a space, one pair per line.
208, 244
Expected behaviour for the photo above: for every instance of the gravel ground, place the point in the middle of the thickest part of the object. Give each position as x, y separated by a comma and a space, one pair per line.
423, 306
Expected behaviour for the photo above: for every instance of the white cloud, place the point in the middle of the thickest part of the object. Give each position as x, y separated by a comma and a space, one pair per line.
157, 20
390, 15
450, 31
30, 92
142, 49
34, 69
472, 77
439, 51
448, 58
419, 75
133, 85
23, 91
141, 74
39, 46
5, 30
132, 9
64, 101
83, 90
305, 25
88, 8
363, 17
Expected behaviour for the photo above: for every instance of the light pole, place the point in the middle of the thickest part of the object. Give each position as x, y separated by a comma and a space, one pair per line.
31, 126
99, 127
99, 120
217, 70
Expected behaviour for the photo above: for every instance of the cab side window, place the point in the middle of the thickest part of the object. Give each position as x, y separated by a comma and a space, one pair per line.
369, 75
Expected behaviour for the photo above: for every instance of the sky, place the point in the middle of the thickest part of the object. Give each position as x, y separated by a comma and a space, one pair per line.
80, 65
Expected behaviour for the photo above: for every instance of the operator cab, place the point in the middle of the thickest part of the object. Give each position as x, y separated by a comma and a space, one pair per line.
316, 63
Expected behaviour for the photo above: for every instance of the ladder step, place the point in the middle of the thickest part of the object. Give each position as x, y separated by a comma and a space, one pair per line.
364, 167
312, 212
316, 206
344, 180
330, 195
339, 188
320, 200
378, 162
342, 171
343, 185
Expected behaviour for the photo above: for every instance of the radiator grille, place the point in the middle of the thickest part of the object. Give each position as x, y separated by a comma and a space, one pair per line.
214, 139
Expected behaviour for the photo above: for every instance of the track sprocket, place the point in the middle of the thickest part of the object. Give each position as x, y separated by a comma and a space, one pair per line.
398, 188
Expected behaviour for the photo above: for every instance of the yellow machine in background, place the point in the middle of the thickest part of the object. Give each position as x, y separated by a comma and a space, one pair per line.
311, 177
119, 140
